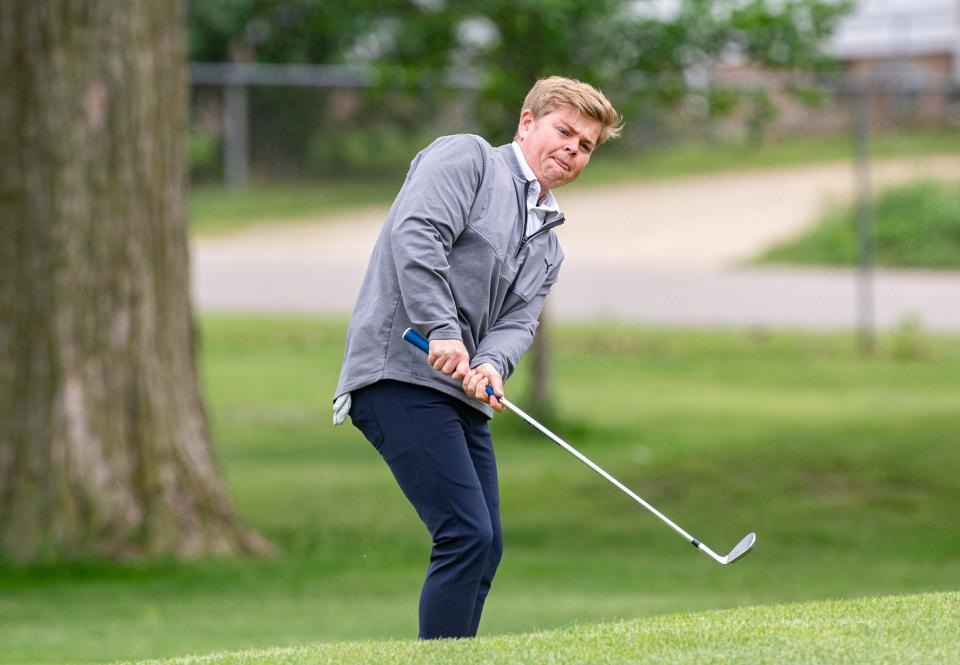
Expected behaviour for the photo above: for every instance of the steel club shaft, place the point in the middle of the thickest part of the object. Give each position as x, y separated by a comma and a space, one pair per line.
741, 549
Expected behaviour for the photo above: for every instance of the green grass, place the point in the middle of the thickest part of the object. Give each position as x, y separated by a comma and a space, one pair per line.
846, 468
891, 630
218, 210
916, 225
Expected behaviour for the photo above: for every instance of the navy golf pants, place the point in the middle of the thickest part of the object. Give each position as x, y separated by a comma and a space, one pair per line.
440, 451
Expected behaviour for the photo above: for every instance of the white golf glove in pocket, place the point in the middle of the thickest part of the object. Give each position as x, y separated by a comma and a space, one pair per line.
341, 407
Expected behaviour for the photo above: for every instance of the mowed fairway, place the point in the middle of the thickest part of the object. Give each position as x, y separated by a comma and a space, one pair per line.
846, 468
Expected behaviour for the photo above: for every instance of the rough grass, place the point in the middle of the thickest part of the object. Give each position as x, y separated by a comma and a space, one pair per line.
922, 628
916, 225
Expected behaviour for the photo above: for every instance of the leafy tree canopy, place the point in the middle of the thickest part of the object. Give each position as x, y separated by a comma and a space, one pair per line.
655, 50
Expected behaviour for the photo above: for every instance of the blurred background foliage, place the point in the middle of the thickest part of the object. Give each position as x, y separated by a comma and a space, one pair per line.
450, 65
916, 225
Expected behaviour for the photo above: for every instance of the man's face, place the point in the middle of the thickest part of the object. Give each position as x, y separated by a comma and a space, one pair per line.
557, 145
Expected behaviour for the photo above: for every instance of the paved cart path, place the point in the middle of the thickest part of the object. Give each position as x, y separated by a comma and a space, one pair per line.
667, 252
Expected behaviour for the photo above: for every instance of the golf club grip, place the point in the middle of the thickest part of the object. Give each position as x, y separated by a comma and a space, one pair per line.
416, 339
421, 343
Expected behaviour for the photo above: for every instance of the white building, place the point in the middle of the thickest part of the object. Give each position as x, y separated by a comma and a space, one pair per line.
904, 39
908, 51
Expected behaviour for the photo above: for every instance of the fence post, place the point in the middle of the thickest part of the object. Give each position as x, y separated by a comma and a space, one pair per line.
865, 243
235, 133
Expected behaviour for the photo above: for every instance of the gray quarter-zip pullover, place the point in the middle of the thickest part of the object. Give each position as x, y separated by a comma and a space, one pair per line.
452, 262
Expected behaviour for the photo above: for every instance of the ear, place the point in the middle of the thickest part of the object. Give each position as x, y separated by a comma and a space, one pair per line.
523, 127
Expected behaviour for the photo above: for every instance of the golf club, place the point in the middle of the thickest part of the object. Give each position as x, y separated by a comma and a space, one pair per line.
738, 552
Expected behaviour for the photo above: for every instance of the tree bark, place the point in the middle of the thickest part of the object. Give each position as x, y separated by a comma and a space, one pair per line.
104, 441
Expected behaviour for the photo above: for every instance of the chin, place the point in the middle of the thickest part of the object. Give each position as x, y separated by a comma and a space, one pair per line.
562, 178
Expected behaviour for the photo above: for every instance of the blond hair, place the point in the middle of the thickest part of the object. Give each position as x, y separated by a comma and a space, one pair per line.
549, 94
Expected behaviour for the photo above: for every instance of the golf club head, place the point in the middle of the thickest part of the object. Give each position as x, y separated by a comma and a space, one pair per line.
742, 548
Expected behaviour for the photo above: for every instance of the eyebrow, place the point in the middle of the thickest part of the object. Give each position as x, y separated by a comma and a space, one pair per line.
573, 129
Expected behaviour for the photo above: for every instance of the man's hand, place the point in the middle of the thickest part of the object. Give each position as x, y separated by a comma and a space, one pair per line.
476, 381
450, 357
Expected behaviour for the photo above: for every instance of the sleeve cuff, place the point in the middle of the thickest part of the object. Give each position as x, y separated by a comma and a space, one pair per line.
445, 332
479, 360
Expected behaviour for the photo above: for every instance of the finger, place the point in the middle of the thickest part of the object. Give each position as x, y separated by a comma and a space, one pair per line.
481, 389
462, 369
449, 366
471, 380
476, 390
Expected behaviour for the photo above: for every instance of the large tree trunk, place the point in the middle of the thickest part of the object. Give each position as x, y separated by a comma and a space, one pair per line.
104, 443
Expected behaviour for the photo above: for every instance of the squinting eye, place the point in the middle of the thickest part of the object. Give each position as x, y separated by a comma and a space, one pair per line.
585, 147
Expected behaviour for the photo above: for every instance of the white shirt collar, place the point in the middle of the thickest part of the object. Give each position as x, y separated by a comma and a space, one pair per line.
527, 172
550, 202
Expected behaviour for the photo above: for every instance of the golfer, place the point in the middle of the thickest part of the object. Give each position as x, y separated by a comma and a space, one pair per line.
466, 257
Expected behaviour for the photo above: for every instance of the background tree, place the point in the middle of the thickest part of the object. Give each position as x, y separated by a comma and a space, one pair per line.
636, 52
278, 31
651, 57
104, 443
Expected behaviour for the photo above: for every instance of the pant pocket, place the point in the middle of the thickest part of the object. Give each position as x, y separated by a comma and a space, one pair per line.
364, 418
